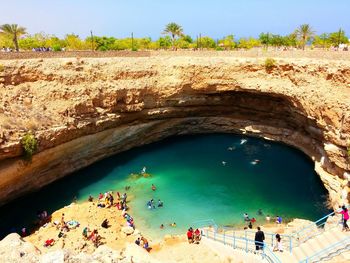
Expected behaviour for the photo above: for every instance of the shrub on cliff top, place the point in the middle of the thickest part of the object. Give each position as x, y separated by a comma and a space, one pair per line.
269, 64
29, 144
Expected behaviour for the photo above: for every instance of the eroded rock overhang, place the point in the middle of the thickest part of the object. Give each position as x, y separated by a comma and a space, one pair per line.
83, 110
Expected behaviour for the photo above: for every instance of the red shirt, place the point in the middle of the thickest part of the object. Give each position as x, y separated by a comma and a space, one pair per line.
189, 234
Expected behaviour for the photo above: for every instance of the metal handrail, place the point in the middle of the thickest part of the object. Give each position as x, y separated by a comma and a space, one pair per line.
316, 223
294, 240
328, 250
248, 245
271, 238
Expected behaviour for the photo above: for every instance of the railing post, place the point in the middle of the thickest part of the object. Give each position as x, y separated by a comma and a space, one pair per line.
224, 238
246, 245
215, 235
272, 240
290, 244
234, 240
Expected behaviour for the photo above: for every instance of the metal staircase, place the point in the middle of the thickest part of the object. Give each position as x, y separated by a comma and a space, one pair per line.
321, 240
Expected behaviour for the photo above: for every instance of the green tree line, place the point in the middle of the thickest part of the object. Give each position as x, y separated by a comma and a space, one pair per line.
173, 37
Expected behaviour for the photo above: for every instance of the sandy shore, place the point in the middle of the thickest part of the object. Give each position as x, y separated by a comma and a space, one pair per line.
169, 249
88, 215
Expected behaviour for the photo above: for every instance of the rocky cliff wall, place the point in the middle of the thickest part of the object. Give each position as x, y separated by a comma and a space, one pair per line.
83, 110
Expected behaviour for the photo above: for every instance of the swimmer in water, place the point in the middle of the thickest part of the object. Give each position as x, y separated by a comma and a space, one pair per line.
143, 170
223, 163
243, 141
256, 161
230, 148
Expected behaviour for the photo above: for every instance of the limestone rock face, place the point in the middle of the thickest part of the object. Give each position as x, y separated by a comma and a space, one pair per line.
83, 110
15, 250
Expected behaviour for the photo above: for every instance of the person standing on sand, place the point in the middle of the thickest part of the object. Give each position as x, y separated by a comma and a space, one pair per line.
259, 239
153, 187
62, 220
190, 235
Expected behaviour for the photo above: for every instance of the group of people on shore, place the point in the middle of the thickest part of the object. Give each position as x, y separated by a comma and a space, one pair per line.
143, 242
193, 236
94, 236
252, 220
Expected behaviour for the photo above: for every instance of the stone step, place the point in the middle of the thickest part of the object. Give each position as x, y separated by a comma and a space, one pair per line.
286, 257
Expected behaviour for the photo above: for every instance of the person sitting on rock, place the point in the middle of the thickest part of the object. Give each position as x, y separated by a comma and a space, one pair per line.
92, 235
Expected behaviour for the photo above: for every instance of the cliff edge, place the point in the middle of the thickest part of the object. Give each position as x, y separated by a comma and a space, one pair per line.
81, 110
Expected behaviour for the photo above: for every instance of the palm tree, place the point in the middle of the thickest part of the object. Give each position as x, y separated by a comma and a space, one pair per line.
304, 32
174, 30
13, 31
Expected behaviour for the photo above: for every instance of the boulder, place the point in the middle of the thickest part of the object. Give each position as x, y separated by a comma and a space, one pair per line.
14, 249
127, 230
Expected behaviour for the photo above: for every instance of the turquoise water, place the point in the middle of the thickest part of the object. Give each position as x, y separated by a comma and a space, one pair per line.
193, 182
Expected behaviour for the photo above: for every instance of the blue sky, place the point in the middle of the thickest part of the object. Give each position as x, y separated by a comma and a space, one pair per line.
216, 18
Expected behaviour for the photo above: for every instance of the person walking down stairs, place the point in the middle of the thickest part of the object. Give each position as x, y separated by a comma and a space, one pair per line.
259, 239
345, 214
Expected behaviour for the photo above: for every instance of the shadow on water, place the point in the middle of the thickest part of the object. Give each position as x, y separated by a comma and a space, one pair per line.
22, 212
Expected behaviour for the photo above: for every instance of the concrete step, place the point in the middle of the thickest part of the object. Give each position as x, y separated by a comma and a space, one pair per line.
286, 257
299, 253
315, 244
329, 238
227, 250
